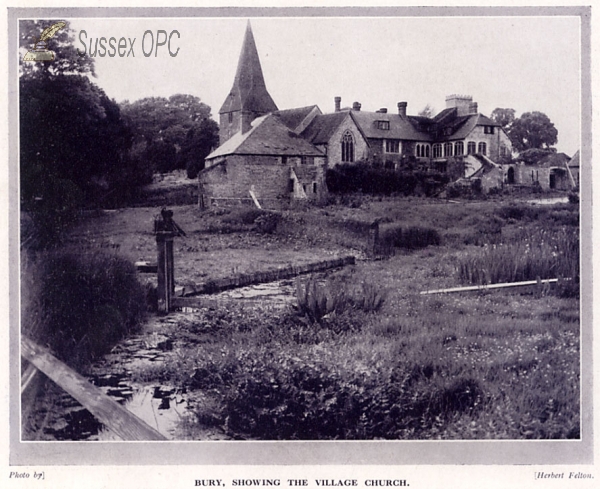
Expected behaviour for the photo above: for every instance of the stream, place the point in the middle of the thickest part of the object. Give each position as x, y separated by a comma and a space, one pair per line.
161, 406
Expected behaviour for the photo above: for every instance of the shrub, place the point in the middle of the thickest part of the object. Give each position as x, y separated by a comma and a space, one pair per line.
86, 303
318, 301
410, 238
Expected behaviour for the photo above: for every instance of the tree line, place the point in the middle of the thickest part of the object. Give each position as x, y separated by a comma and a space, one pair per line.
81, 149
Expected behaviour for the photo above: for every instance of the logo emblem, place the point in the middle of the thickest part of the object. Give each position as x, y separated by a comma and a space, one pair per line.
39, 51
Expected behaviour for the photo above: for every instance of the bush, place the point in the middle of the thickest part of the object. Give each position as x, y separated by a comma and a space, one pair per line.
84, 303
318, 301
411, 238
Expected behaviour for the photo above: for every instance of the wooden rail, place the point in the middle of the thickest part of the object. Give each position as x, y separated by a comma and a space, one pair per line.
115, 417
472, 288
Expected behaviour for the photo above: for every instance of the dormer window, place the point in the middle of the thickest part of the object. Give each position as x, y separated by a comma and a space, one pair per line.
385, 125
488, 129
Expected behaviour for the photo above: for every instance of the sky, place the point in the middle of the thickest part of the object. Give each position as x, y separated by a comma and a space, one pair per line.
524, 63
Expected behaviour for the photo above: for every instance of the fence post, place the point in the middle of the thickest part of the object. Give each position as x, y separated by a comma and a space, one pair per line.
165, 272
374, 239
165, 230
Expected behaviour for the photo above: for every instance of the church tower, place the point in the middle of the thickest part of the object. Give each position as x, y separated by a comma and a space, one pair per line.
248, 98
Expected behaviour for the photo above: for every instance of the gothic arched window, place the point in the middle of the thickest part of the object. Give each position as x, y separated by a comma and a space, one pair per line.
347, 148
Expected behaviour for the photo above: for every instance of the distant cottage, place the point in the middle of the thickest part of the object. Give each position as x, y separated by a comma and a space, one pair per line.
281, 156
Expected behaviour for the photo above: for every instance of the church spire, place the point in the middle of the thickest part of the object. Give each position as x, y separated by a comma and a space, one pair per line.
248, 98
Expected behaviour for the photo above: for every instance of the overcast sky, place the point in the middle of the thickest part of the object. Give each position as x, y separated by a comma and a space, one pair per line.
525, 63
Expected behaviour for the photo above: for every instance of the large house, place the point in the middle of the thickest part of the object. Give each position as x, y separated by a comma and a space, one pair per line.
277, 157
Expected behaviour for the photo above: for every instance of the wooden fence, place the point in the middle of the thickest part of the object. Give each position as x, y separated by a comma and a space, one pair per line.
115, 417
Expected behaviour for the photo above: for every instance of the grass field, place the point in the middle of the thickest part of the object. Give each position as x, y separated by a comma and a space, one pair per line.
378, 360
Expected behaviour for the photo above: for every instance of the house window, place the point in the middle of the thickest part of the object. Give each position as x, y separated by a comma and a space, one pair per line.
488, 129
385, 125
482, 148
347, 148
459, 148
437, 150
427, 151
471, 148
392, 146
284, 160
314, 187
291, 185
448, 149
503, 150
307, 160
230, 117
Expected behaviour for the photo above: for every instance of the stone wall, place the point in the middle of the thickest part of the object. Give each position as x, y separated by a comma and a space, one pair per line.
230, 181
334, 147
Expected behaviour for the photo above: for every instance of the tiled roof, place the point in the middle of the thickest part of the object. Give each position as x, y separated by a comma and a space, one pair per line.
249, 91
574, 162
268, 136
399, 127
320, 130
292, 118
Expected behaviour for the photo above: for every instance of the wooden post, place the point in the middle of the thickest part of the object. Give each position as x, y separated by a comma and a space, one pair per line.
165, 272
374, 239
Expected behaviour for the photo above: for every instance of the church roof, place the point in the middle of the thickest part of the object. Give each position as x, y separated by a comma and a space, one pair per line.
292, 118
574, 162
320, 130
268, 136
249, 91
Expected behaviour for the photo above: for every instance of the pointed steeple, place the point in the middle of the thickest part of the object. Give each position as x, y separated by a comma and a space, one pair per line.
248, 98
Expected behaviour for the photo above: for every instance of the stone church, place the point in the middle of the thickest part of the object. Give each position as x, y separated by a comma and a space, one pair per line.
277, 157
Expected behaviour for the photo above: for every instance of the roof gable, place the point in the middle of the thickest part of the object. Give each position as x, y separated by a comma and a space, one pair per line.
323, 126
268, 136
295, 119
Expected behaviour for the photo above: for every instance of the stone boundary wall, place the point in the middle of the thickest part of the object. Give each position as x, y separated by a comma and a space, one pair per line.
289, 271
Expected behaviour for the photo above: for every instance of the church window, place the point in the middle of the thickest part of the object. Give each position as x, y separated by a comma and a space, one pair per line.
392, 146
472, 148
459, 148
437, 150
482, 148
347, 148
448, 149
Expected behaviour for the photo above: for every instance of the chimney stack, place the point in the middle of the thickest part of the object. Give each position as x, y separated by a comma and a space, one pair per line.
246, 121
338, 102
402, 108
356, 106
383, 110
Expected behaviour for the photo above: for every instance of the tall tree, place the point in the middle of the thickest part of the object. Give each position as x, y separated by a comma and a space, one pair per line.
165, 125
68, 60
199, 142
504, 117
427, 111
533, 130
